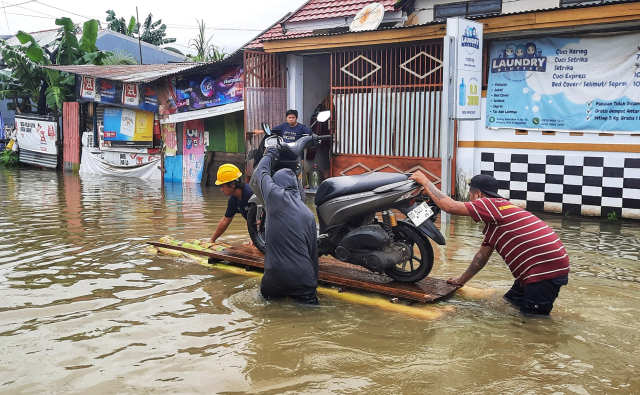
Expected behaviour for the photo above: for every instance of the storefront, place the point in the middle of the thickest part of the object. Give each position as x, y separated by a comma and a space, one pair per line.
202, 121
117, 121
559, 127
170, 122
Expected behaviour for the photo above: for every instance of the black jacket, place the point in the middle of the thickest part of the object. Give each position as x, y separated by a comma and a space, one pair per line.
291, 260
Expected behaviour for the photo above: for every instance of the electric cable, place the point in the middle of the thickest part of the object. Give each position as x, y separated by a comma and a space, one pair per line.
60, 9
28, 9
211, 28
15, 5
5, 17
32, 16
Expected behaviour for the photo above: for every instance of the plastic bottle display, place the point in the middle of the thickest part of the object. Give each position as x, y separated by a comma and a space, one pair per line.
463, 93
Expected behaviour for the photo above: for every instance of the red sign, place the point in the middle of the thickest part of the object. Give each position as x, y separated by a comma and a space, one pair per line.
88, 90
130, 95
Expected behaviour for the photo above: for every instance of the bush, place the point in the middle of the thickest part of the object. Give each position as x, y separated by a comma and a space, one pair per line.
8, 158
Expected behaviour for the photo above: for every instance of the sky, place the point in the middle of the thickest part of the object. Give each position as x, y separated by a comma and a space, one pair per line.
232, 23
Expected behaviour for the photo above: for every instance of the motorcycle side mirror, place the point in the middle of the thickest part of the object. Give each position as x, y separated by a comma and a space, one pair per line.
266, 128
323, 116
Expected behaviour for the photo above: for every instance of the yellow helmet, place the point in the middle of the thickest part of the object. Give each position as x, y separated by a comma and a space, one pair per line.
228, 173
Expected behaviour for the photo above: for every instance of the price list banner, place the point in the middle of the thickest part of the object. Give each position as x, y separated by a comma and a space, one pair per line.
585, 84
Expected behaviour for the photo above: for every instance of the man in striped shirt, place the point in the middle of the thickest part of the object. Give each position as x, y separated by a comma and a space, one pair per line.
532, 251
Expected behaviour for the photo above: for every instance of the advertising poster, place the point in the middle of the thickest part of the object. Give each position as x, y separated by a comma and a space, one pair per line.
468, 84
144, 126
106, 91
137, 96
193, 152
167, 97
202, 91
128, 127
130, 95
88, 88
565, 83
37, 135
149, 98
170, 139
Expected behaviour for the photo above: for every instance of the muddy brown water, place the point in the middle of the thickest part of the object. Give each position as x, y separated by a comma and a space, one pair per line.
83, 309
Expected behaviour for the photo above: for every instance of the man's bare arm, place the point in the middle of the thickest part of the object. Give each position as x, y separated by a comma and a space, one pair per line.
440, 199
477, 263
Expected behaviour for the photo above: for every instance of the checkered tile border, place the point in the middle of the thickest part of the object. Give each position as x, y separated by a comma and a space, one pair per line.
585, 185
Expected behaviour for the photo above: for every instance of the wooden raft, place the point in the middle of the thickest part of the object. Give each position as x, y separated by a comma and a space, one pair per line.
338, 273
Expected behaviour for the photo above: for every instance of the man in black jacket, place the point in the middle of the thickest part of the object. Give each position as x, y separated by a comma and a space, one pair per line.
291, 260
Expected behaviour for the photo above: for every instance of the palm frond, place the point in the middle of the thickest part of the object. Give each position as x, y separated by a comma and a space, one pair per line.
119, 57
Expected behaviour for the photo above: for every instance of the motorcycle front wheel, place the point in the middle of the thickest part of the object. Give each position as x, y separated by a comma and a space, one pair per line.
256, 228
417, 267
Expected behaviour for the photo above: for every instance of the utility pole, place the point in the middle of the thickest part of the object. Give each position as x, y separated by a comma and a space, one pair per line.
139, 33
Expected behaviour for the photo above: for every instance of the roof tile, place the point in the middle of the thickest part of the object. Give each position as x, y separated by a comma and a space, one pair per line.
315, 10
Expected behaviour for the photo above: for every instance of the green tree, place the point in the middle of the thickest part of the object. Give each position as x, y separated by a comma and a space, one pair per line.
205, 50
119, 57
120, 25
152, 32
26, 78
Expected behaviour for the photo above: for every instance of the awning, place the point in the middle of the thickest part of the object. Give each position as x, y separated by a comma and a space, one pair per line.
199, 114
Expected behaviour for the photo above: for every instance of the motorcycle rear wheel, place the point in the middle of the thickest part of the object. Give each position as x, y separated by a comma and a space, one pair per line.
417, 267
256, 228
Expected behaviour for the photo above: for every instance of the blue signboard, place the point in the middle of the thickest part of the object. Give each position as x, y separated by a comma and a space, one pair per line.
586, 84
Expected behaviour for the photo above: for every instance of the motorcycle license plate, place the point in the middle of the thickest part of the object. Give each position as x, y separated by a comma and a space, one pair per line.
420, 214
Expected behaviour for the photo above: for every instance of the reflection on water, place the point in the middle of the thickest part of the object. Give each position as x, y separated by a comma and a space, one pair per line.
83, 309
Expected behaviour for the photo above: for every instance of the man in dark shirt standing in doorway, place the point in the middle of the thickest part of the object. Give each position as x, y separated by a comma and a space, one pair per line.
292, 130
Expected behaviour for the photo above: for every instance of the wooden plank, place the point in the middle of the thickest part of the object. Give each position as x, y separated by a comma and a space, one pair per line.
339, 273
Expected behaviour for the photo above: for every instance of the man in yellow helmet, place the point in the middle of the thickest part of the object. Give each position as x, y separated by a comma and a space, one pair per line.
230, 181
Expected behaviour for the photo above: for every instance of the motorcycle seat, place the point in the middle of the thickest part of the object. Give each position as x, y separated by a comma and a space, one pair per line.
348, 185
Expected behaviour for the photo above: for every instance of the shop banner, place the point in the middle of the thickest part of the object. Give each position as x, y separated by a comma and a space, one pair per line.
170, 139
149, 98
39, 135
105, 92
138, 96
193, 151
586, 84
87, 88
128, 127
201, 91
467, 66
166, 97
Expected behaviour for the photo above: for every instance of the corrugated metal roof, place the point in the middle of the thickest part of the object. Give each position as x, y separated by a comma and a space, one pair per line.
132, 73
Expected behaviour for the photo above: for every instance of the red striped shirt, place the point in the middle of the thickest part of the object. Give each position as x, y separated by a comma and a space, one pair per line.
531, 249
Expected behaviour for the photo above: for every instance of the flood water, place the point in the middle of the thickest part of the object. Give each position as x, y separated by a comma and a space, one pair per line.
84, 309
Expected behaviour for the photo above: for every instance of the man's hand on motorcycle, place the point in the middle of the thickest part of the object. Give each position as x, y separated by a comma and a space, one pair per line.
455, 281
420, 178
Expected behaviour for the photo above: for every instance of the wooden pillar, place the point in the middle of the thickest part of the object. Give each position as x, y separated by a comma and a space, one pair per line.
71, 136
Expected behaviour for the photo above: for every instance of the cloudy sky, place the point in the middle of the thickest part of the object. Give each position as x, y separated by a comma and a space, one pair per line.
243, 19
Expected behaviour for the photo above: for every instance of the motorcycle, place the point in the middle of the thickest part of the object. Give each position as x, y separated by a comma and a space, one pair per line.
349, 227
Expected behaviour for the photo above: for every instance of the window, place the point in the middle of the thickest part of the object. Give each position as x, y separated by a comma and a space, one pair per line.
467, 9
